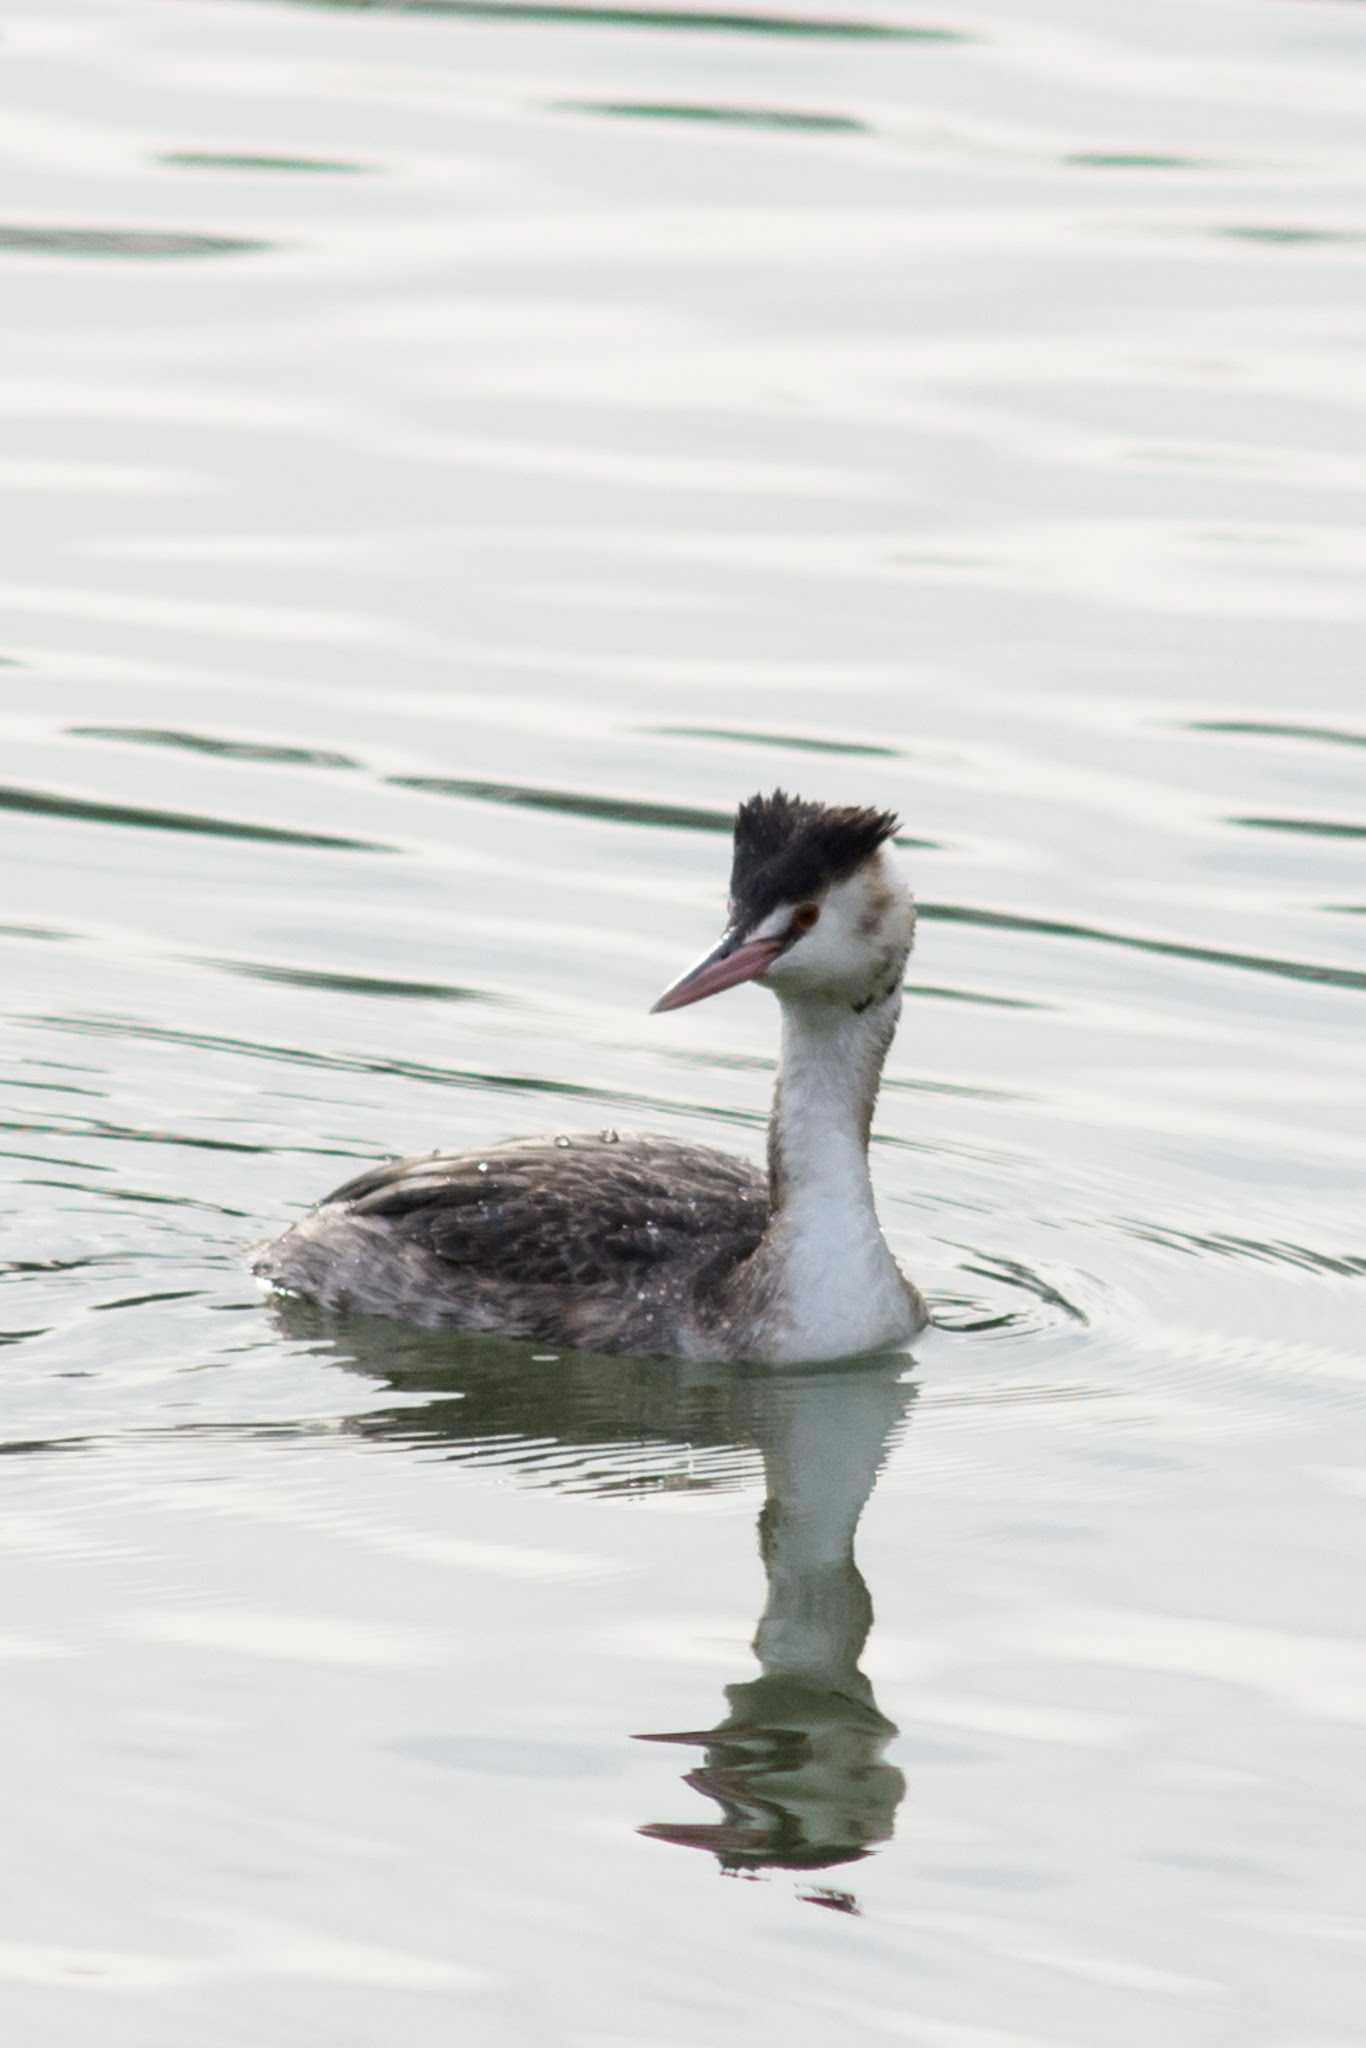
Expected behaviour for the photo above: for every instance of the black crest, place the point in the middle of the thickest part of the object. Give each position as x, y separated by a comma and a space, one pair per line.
788, 849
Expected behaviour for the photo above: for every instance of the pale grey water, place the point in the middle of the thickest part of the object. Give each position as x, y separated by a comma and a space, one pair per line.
447, 460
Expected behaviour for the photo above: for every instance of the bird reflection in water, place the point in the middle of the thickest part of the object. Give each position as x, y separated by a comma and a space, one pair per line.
796, 1765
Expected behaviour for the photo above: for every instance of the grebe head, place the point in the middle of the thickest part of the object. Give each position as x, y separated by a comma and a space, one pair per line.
818, 911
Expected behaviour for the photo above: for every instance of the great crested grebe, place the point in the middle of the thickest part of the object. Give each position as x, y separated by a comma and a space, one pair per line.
621, 1242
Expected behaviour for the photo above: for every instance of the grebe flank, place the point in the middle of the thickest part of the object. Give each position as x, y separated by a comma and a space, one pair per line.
622, 1242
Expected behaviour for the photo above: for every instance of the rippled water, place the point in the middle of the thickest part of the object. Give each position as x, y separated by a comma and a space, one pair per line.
450, 453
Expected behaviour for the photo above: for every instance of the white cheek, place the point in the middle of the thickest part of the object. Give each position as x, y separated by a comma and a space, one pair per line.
836, 952
819, 956
774, 925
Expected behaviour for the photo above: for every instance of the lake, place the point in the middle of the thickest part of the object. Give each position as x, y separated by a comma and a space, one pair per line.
452, 453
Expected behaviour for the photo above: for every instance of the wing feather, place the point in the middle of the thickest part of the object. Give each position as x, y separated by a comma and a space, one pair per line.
581, 1209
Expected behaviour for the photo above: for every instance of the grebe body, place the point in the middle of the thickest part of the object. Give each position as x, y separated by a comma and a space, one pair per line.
614, 1241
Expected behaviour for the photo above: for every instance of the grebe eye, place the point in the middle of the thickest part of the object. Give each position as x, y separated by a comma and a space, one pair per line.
804, 916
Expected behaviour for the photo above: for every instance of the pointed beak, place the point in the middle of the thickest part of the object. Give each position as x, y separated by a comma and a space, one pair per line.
731, 962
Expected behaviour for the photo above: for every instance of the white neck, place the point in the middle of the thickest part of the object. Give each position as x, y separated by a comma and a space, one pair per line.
839, 1286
